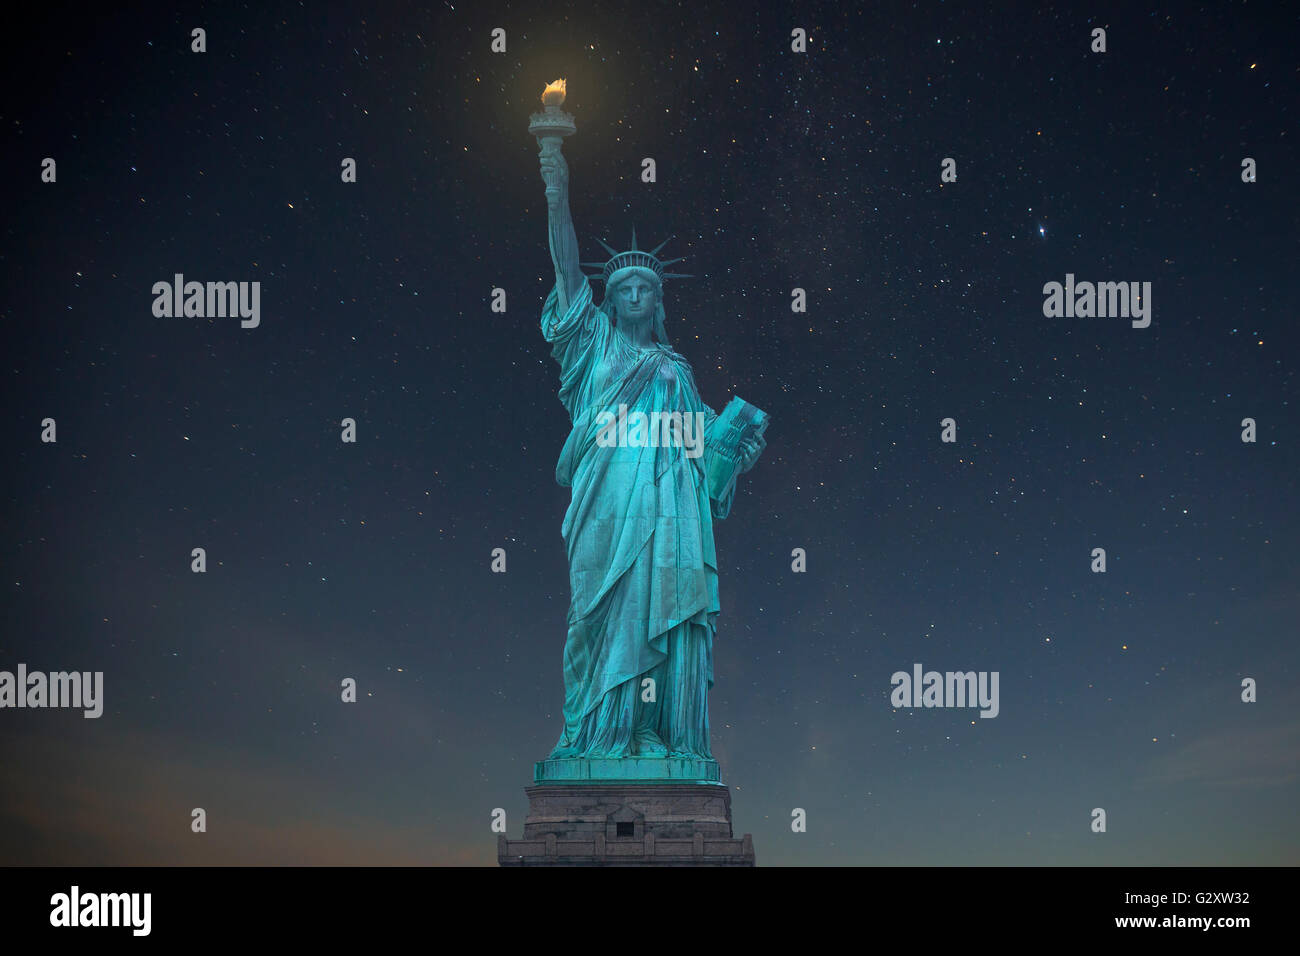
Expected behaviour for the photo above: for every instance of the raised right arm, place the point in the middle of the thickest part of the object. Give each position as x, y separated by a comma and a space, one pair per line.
563, 239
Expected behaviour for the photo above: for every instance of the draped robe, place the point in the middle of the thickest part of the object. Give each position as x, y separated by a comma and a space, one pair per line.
639, 537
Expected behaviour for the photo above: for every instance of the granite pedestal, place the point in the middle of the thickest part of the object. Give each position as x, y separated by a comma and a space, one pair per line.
628, 812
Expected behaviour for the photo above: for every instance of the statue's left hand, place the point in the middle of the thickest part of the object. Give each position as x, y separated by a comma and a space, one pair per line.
750, 449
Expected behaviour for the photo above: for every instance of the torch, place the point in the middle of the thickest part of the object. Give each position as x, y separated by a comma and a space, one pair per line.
551, 125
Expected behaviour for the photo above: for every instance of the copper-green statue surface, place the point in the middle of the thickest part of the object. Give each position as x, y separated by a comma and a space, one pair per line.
638, 657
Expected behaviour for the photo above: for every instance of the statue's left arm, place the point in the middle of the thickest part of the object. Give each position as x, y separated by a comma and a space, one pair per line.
750, 450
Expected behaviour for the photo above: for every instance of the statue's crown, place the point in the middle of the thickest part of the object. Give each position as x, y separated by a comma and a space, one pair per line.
634, 258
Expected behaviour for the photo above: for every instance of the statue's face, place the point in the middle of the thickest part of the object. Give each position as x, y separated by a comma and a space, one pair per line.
636, 298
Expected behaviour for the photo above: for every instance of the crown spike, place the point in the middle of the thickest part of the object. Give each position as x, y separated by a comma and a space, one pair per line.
633, 258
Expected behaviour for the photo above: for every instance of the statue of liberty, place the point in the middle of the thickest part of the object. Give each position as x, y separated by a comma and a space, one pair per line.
638, 658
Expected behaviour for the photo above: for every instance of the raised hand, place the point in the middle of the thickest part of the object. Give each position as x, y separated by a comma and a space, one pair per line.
555, 172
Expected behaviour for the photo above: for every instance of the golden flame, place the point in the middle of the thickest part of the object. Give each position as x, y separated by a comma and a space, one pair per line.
554, 93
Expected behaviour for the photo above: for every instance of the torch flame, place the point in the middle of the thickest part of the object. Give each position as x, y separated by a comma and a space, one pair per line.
554, 93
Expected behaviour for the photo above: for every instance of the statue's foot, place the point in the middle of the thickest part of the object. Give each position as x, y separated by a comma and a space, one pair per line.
689, 755
648, 744
609, 753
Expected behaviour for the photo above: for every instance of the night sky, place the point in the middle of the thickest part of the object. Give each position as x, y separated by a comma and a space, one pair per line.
776, 170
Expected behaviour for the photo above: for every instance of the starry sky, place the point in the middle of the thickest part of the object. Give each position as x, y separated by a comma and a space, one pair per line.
776, 170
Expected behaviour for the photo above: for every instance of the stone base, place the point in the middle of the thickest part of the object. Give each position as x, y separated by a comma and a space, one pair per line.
610, 824
626, 770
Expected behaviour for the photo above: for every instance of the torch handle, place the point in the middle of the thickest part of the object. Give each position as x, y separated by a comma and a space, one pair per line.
552, 146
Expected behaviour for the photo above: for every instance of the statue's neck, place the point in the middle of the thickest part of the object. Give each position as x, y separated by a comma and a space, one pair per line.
638, 333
